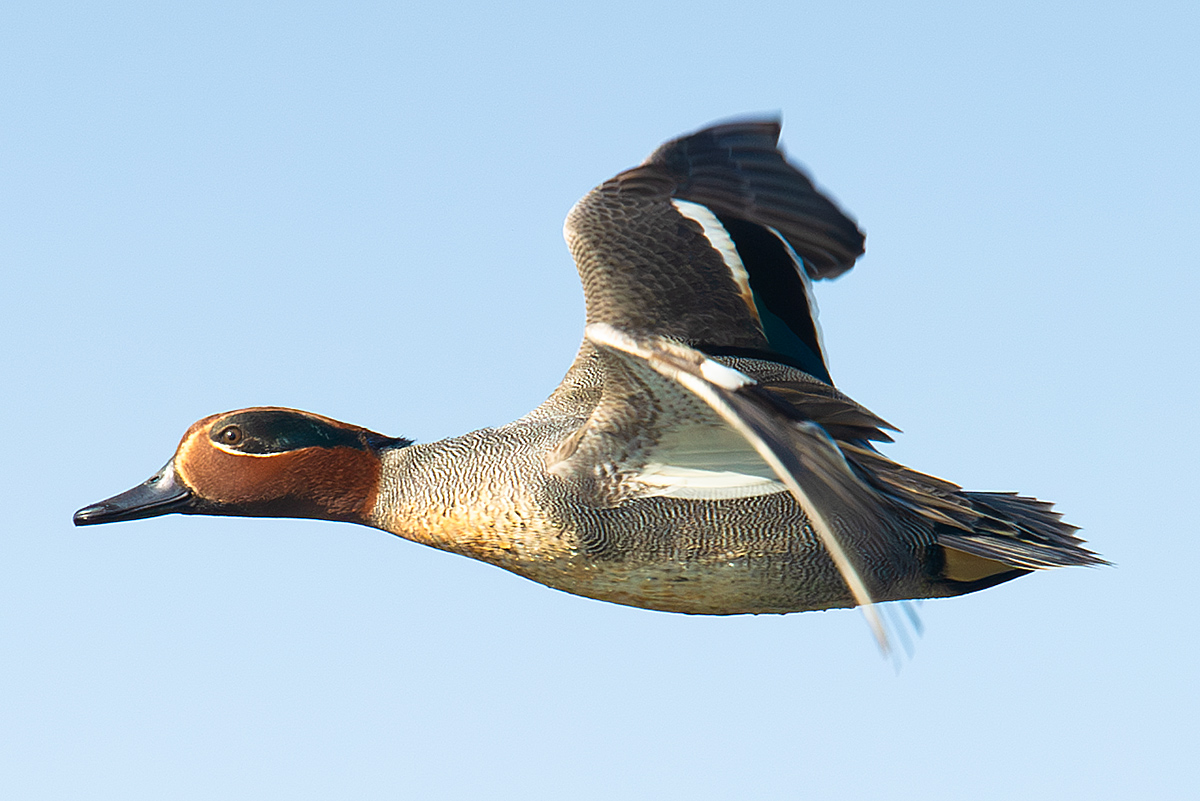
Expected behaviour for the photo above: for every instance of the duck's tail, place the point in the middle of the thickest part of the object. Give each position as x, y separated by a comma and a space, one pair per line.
1018, 531
986, 537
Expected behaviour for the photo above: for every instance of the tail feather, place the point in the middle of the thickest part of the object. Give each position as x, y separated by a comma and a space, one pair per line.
1021, 532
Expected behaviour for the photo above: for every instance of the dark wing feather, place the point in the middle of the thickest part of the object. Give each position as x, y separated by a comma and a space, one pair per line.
648, 266
1018, 531
737, 170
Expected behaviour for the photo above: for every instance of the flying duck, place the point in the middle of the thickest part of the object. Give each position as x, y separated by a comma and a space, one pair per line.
696, 457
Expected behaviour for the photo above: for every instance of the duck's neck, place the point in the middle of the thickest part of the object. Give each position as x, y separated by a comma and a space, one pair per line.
470, 495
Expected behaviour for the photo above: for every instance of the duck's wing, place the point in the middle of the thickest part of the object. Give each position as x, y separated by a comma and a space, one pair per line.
712, 240
672, 421
706, 250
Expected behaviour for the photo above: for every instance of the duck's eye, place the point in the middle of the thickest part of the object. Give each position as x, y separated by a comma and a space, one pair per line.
230, 435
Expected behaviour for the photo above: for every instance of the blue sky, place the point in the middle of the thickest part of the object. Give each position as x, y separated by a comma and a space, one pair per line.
356, 209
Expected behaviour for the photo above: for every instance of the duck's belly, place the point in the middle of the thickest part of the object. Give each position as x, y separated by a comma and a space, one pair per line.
730, 587
741, 556
747, 555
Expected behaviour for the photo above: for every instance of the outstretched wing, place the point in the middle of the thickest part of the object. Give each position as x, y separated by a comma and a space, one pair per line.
712, 240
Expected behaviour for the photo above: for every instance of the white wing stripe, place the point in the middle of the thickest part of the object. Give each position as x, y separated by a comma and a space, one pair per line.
721, 242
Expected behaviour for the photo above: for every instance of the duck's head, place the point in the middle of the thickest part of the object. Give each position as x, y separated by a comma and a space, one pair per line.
260, 462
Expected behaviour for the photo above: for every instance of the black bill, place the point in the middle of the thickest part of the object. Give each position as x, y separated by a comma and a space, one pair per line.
162, 494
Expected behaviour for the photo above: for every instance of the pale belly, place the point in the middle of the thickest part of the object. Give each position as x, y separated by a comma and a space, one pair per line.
743, 556
734, 587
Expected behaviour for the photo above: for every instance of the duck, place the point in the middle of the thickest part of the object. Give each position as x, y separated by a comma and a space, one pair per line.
696, 457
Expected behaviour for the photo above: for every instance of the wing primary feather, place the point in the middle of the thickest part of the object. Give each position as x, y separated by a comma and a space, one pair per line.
737, 169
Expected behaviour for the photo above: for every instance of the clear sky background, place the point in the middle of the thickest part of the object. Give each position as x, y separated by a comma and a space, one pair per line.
356, 209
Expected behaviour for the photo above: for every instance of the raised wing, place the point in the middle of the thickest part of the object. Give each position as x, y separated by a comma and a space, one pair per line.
712, 240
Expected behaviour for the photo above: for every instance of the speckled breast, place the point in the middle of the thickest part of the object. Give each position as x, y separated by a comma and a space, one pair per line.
486, 495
